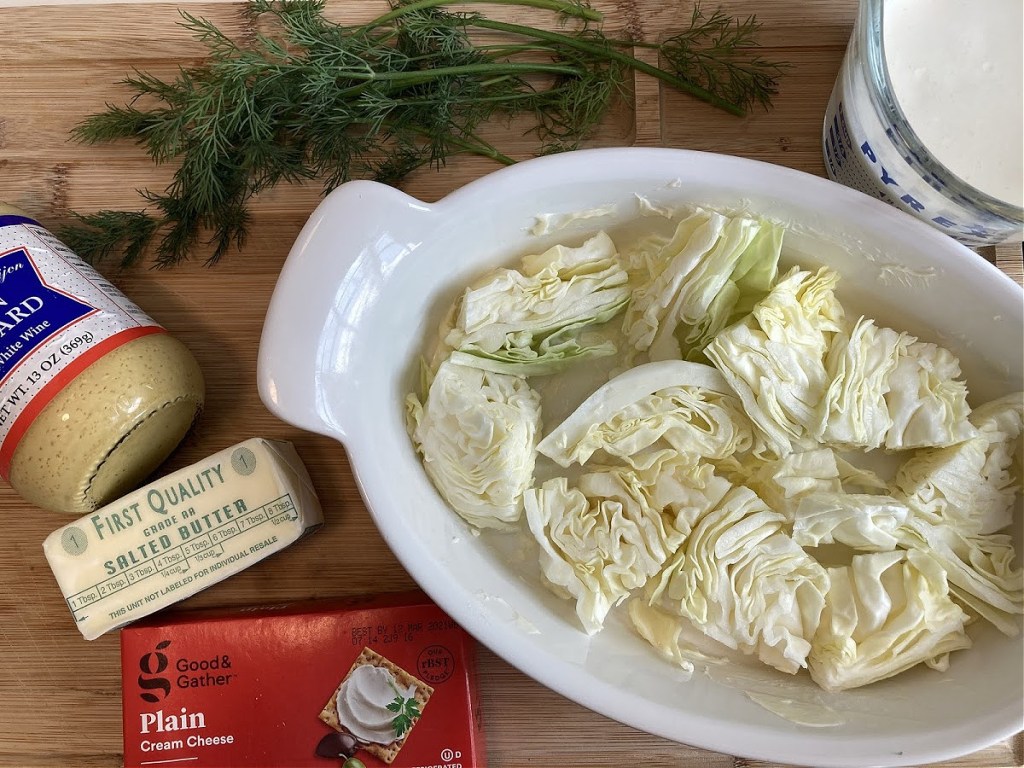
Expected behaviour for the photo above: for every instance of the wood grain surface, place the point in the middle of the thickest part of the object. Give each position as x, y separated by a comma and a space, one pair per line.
60, 695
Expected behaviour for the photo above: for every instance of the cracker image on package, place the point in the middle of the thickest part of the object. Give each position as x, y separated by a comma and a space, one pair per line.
378, 703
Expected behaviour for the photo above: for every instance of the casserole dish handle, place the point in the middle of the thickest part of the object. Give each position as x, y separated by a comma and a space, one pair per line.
297, 356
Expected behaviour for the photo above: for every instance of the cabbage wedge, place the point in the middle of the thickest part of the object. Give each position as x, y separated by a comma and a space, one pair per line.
743, 582
612, 532
782, 482
980, 568
864, 522
775, 357
971, 486
1001, 424
711, 271
885, 613
859, 364
675, 638
687, 405
532, 321
945, 486
961, 496
927, 401
477, 434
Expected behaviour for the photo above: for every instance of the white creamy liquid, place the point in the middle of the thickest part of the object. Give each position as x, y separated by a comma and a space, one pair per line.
957, 70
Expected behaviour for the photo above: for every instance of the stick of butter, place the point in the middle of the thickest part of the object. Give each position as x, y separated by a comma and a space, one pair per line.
182, 534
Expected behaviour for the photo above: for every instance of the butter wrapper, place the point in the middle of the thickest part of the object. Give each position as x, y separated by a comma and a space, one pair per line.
183, 533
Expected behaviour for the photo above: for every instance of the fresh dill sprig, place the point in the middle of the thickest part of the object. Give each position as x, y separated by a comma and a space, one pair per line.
318, 100
717, 52
108, 233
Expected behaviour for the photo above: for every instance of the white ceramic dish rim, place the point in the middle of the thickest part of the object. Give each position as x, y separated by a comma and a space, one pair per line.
292, 393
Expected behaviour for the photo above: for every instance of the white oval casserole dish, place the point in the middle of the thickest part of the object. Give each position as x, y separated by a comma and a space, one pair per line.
360, 294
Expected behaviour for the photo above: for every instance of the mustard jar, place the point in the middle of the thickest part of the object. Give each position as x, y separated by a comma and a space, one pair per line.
94, 394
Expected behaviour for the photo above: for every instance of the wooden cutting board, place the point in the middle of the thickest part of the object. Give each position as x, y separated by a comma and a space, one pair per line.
59, 695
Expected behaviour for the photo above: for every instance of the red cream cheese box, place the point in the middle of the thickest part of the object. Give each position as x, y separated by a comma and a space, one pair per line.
388, 680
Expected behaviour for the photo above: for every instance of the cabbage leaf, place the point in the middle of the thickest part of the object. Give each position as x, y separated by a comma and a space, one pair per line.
972, 485
859, 479
960, 497
775, 357
885, 613
862, 521
477, 433
662, 630
742, 581
616, 528
675, 638
1001, 424
532, 321
980, 568
686, 404
782, 482
859, 364
710, 272
926, 400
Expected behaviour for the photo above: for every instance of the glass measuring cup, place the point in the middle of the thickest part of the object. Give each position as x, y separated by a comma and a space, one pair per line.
868, 144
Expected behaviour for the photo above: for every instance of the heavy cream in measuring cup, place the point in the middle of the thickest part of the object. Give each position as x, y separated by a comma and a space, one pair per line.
928, 113
957, 70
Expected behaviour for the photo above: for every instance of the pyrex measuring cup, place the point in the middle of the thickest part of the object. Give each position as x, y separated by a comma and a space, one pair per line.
869, 145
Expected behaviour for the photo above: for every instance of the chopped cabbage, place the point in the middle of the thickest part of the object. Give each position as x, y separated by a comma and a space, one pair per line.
960, 496
688, 405
980, 567
885, 613
661, 630
859, 479
861, 521
674, 637
781, 483
775, 357
972, 485
712, 270
615, 530
1001, 424
477, 433
941, 486
927, 403
530, 322
726, 472
859, 364
745, 583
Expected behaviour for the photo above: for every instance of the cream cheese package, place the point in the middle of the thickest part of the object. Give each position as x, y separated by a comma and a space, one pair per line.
183, 533
378, 681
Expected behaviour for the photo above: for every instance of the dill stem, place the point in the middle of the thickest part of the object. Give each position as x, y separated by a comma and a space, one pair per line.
640, 66
484, 148
476, 147
507, 49
558, 6
501, 99
424, 75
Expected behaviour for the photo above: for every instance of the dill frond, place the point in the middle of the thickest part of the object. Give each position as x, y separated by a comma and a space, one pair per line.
718, 53
316, 100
